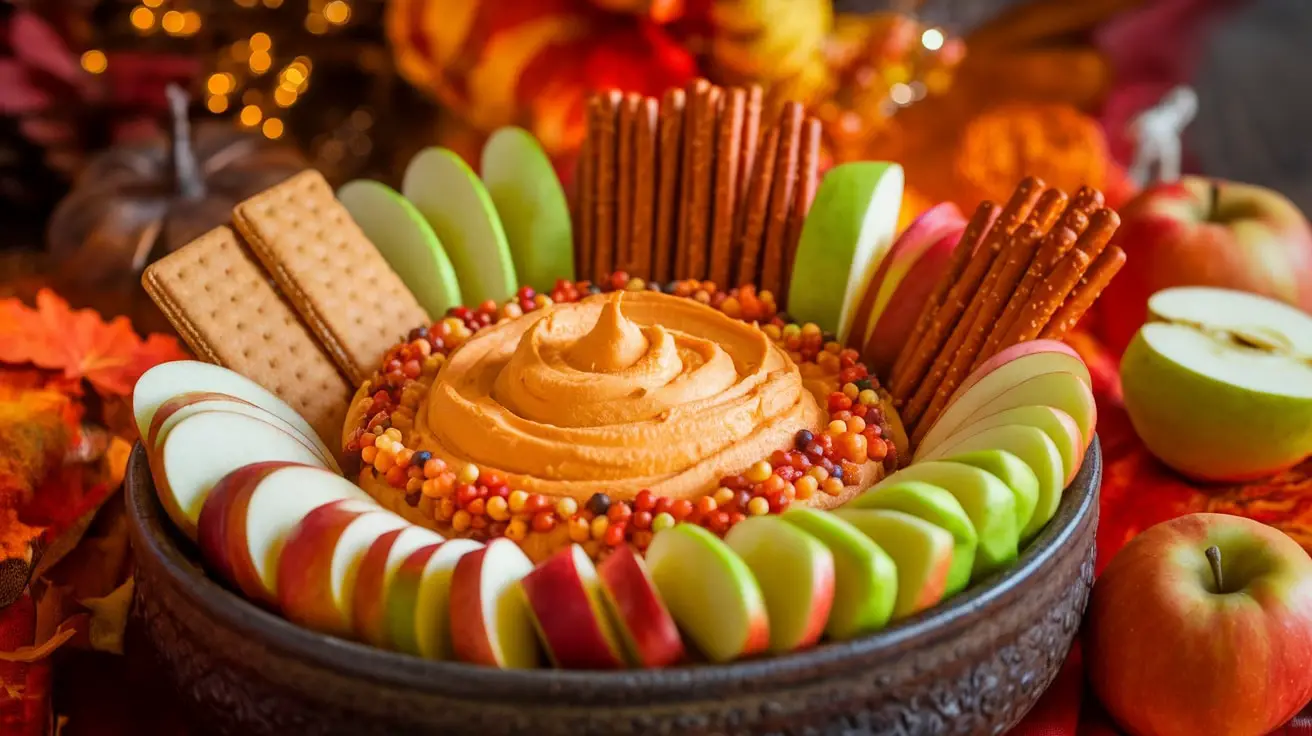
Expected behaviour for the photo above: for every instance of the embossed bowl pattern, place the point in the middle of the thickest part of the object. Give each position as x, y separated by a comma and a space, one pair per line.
973, 665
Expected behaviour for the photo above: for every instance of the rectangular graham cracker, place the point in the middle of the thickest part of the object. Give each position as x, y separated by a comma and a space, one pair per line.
335, 278
222, 304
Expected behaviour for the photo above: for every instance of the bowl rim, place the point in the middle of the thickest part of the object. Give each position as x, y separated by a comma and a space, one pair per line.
473, 682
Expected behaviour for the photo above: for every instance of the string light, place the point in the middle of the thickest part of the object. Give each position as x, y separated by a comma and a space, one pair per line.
932, 39
172, 22
284, 96
220, 83
272, 128
900, 93
337, 12
142, 19
261, 42
260, 61
152, 3
94, 61
190, 23
217, 104
251, 116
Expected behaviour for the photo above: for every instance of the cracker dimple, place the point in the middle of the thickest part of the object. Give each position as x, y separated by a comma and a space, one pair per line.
220, 301
318, 257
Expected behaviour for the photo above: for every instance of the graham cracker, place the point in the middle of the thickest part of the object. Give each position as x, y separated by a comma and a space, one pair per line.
335, 278
222, 304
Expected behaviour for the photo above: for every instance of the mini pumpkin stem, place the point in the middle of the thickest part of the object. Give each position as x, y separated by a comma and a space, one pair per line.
186, 171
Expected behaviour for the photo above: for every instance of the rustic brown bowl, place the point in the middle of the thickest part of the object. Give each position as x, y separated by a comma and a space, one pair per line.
973, 665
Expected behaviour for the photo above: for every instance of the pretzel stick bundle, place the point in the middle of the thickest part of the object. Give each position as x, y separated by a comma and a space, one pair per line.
669, 149
1090, 288
954, 303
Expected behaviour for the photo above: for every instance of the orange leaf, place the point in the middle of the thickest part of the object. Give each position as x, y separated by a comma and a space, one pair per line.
79, 343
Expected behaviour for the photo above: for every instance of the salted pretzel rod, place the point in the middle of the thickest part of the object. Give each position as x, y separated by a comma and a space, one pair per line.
728, 145
807, 183
781, 196
756, 208
586, 201
1078, 221
604, 230
625, 166
976, 229
1049, 209
1090, 288
669, 149
953, 363
1047, 298
1022, 201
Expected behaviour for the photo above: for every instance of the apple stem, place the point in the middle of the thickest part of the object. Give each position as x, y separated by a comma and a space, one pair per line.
1213, 200
1214, 557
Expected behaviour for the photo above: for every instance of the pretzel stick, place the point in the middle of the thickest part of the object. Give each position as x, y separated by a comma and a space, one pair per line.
1051, 206
694, 111
955, 302
1102, 226
628, 121
757, 207
808, 179
781, 196
604, 254
976, 231
586, 201
1047, 299
669, 150
1095, 280
728, 150
751, 141
703, 180
644, 188
968, 335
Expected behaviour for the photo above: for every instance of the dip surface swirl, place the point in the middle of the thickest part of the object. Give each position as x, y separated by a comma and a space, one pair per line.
617, 393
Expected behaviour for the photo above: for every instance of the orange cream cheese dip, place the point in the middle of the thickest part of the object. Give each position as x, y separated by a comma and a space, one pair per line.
606, 418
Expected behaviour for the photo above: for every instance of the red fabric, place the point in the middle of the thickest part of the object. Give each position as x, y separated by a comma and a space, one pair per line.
1138, 492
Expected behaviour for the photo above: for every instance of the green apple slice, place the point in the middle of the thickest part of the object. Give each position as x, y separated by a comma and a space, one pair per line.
457, 206
865, 578
988, 502
1057, 424
845, 237
938, 507
532, 206
1013, 471
1037, 450
418, 617
710, 592
406, 241
796, 575
921, 551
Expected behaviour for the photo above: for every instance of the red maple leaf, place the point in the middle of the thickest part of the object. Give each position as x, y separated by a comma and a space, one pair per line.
80, 344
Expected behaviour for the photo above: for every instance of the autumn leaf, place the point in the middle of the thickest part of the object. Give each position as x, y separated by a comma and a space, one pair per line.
80, 344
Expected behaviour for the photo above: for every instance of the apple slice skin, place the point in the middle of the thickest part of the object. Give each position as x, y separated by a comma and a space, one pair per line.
1062, 390
406, 240
922, 554
166, 380
569, 614
377, 577
648, 629
1023, 349
1060, 427
229, 498
418, 605
457, 206
1013, 471
692, 567
845, 237
938, 507
988, 502
865, 576
503, 637
532, 206
796, 575
1037, 450
895, 324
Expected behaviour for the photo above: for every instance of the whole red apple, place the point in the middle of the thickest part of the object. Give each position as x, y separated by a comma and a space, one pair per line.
1203, 625
1203, 232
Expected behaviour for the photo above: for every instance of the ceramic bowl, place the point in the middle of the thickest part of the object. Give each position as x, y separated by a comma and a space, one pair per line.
972, 665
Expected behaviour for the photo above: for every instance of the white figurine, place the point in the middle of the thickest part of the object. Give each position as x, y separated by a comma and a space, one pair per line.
1157, 132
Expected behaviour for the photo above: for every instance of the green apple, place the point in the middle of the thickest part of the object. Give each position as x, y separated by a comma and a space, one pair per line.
458, 208
1218, 384
988, 502
1036, 450
418, 617
865, 578
796, 575
1009, 369
844, 239
938, 507
1013, 471
710, 591
1057, 424
406, 241
532, 206
921, 551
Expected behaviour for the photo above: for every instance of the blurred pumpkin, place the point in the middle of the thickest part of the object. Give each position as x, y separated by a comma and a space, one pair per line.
137, 202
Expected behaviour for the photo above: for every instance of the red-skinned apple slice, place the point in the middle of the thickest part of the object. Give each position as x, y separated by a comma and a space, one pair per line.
204, 447
923, 232
491, 623
418, 606
374, 582
320, 562
893, 328
1057, 424
247, 517
710, 591
571, 617
166, 380
184, 405
1037, 450
796, 575
1062, 391
1047, 363
649, 632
